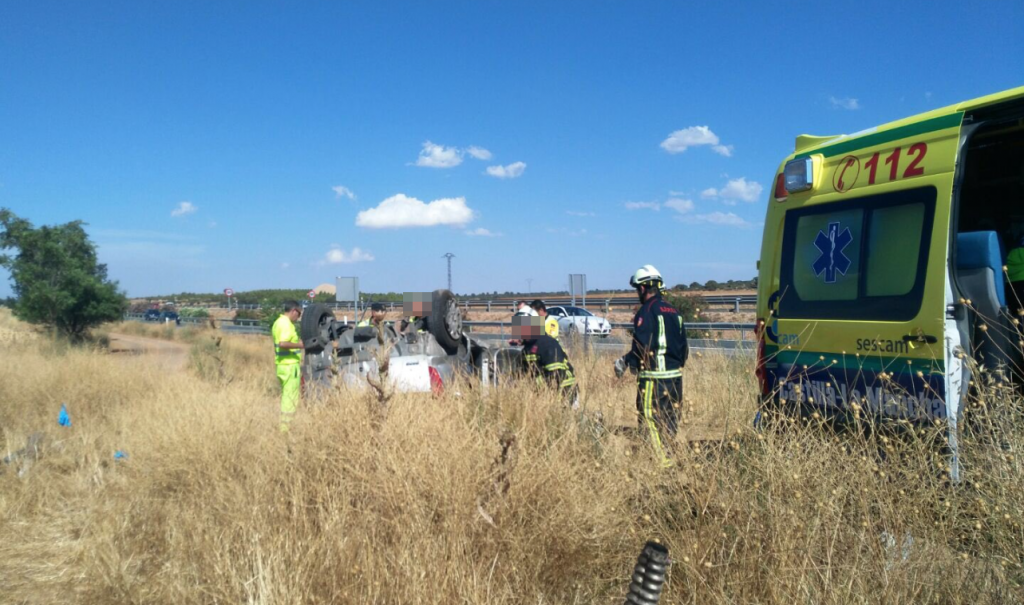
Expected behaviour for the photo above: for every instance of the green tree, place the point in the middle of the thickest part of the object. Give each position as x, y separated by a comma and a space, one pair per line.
58, 282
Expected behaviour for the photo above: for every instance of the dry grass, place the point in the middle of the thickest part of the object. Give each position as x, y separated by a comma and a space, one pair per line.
213, 505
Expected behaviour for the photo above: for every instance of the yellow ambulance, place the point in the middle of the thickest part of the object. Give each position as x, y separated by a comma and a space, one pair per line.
881, 269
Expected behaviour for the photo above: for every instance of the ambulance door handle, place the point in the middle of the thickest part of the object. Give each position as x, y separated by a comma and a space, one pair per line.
920, 338
956, 311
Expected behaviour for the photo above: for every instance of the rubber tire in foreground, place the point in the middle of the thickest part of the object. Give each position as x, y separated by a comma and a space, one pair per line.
446, 320
314, 327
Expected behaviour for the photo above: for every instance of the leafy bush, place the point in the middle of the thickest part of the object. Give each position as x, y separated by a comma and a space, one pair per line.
194, 312
58, 281
691, 307
247, 314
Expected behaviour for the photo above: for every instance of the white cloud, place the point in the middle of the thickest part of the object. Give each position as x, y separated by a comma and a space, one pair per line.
679, 205
736, 190
695, 136
512, 171
479, 153
723, 150
741, 189
439, 156
844, 103
337, 256
341, 191
481, 232
577, 213
400, 211
727, 219
642, 206
184, 208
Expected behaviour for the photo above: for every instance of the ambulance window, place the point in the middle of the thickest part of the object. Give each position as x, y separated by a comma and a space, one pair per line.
824, 242
862, 258
894, 246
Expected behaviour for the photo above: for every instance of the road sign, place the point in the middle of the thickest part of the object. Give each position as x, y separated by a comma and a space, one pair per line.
229, 292
311, 294
346, 289
578, 285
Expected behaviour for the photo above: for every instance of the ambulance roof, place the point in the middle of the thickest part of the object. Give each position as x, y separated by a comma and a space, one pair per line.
937, 118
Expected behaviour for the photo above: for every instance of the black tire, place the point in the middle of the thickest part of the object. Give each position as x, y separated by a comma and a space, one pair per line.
314, 327
446, 320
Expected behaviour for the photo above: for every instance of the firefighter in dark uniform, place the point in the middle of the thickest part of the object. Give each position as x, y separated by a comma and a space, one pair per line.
657, 357
543, 358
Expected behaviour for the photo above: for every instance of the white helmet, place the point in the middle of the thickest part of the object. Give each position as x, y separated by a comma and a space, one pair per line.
525, 312
645, 275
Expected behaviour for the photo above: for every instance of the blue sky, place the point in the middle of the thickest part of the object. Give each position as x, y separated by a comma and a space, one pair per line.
210, 145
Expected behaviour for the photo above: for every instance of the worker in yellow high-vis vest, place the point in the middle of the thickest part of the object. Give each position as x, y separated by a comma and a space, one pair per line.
550, 323
288, 356
377, 313
1015, 275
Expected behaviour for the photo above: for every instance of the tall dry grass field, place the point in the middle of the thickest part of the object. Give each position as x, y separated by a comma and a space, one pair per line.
500, 497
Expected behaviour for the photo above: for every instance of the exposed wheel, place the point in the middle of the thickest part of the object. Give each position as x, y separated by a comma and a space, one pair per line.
314, 327
446, 320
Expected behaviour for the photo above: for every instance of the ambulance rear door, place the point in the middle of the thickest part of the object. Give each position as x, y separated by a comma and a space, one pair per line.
863, 276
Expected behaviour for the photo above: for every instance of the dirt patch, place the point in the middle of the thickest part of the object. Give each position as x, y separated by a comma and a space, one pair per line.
170, 355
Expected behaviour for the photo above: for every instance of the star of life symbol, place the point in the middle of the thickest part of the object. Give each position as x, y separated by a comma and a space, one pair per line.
832, 259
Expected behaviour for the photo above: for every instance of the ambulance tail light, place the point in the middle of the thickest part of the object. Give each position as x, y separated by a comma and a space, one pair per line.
759, 368
780, 188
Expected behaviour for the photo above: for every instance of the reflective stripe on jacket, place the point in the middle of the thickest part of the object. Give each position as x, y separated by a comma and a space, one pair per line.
545, 359
659, 341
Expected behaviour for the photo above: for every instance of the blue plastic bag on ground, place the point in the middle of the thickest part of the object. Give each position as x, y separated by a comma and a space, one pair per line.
64, 419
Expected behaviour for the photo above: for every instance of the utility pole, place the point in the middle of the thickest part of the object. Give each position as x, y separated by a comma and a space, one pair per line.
529, 285
449, 256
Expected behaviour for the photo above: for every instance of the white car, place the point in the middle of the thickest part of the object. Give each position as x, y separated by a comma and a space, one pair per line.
576, 320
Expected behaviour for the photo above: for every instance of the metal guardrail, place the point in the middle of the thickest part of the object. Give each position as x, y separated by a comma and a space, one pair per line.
619, 341
734, 301
236, 326
742, 328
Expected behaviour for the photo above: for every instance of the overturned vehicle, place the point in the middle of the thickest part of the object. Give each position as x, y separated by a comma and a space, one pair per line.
422, 354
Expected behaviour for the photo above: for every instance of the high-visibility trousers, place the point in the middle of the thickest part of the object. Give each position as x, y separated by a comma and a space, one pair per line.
288, 376
656, 401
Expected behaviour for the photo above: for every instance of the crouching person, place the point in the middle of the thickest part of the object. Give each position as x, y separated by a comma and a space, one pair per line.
543, 358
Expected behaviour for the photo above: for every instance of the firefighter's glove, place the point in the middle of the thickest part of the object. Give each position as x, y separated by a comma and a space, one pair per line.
620, 367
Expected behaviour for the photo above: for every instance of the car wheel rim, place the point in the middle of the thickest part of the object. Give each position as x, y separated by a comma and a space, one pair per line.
453, 320
325, 324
